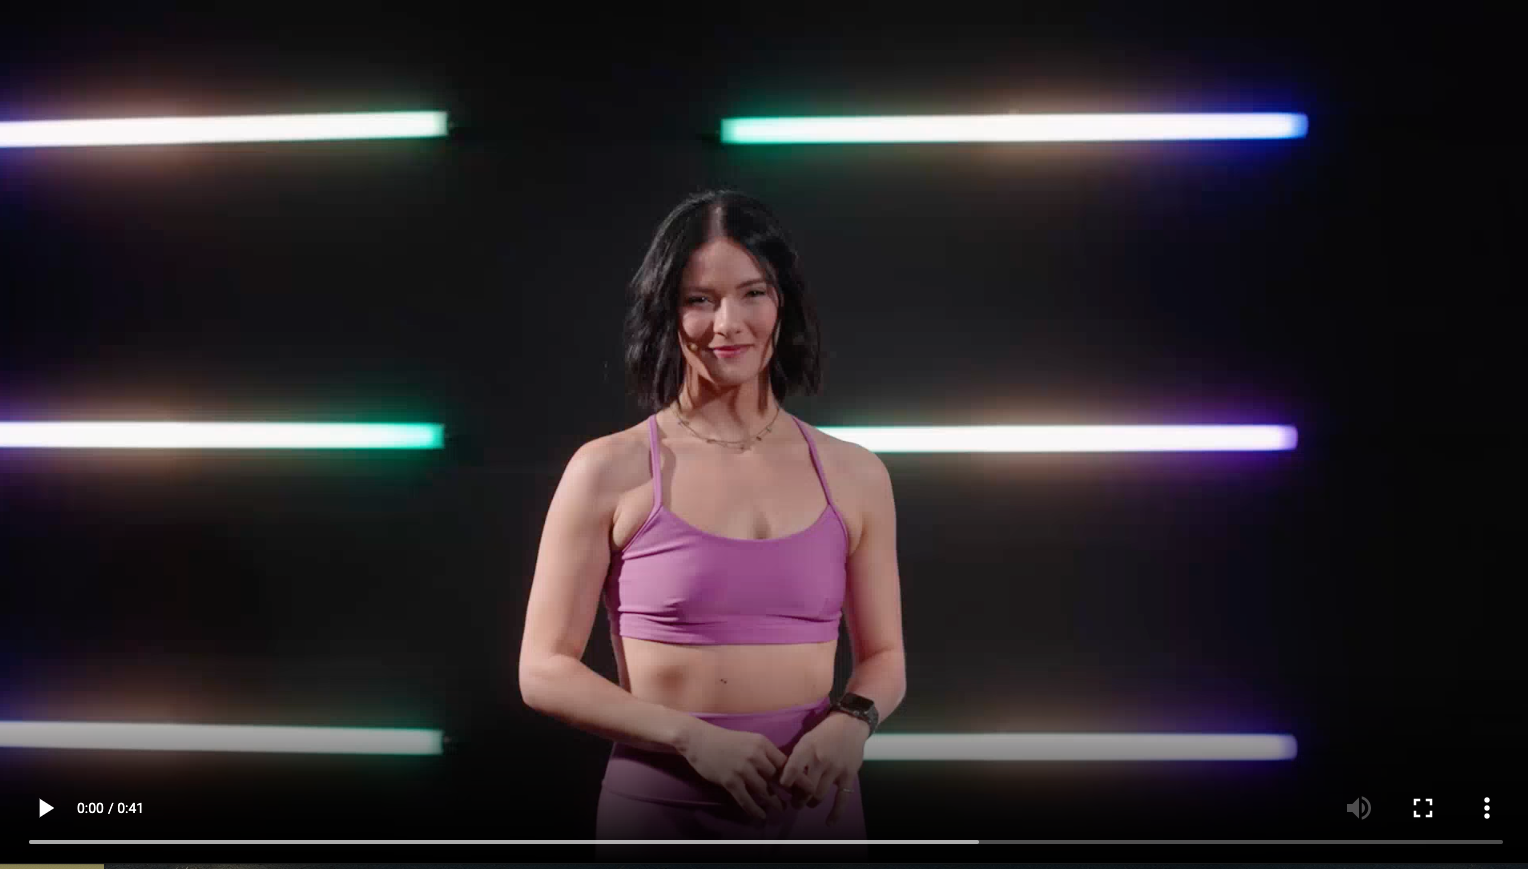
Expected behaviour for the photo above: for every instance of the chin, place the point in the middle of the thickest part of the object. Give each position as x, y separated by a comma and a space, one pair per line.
731, 379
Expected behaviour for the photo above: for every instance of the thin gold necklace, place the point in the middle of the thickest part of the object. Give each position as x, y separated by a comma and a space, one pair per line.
741, 446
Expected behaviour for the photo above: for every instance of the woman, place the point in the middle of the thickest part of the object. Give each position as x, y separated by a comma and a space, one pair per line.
726, 539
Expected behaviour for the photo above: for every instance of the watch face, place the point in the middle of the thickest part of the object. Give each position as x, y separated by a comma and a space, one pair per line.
857, 703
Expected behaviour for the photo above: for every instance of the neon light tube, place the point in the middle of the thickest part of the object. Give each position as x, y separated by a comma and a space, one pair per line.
221, 435
1080, 746
882, 746
219, 737
1067, 438
228, 128
1012, 128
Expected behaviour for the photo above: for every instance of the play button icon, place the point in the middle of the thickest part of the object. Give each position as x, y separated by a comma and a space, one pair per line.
43, 808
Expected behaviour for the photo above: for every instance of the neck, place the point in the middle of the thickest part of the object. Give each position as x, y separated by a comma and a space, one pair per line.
732, 414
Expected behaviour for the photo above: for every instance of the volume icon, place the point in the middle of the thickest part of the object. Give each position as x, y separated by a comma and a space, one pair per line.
1359, 808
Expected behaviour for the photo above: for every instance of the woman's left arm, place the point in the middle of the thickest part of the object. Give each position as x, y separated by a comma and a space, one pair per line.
833, 751
873, 600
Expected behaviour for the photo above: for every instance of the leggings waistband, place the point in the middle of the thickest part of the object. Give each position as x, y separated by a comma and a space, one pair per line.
768, 716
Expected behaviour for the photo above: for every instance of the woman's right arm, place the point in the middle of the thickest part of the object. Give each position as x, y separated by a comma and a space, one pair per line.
571, 565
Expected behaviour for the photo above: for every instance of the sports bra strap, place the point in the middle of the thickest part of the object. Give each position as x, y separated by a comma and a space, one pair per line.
652, 450
816, 463
657, 470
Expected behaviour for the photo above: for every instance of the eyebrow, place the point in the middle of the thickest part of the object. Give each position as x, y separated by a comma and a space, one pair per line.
739, 286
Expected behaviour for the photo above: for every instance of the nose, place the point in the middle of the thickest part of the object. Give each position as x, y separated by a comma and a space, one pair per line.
727, 318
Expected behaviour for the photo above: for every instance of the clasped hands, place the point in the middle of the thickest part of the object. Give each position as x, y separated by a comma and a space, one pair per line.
827, 755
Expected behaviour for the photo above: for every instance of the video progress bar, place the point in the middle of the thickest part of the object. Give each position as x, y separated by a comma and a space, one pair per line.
503, 842
765, 841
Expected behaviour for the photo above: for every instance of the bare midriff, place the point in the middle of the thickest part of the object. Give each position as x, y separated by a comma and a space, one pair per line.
726, 678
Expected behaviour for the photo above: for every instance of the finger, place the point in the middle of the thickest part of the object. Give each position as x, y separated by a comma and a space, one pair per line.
766, 752
789, 781
839, 800
783, 796
762, 788
799, 794
740, 793
767, 767
771, 763
820, 789
790, 771
806, 781
776, 756
771, 785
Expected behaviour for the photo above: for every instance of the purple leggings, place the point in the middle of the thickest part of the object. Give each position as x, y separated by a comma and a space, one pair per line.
658, 795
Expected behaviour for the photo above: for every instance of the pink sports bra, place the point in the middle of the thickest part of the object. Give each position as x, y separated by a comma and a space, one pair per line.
675, 583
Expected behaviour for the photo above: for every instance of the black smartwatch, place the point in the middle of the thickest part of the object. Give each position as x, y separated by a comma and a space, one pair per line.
860, 707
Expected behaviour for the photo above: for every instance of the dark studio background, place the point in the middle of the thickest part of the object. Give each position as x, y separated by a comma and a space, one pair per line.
1339, 593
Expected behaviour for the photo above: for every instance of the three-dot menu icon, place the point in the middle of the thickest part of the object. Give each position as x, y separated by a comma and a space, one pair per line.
1488, 808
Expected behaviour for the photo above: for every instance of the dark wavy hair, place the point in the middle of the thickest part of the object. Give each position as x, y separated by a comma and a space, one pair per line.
654, 364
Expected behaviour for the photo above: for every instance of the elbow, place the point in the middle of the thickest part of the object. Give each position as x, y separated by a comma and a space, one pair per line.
531, 688
540, 681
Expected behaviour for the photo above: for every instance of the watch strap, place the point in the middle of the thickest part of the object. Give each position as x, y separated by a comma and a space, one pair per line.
866, 713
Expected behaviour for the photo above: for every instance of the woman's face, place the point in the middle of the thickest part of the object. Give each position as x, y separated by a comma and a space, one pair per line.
724, 300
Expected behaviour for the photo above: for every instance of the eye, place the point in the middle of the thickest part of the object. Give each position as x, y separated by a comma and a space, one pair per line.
693, 299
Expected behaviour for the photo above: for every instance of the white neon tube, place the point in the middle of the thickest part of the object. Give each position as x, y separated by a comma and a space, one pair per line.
220, 435
1138, 126
218, 737
1066, 438
226, 128
1080, 746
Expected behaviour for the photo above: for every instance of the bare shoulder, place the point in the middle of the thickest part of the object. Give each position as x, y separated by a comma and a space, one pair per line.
613, 457
854, 461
